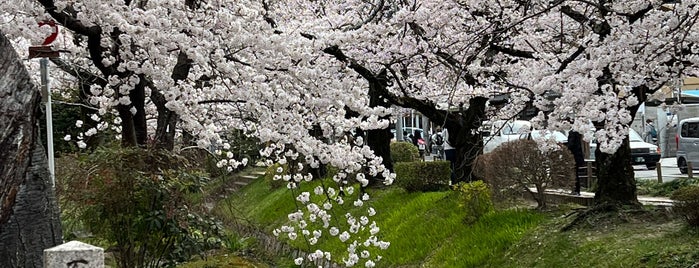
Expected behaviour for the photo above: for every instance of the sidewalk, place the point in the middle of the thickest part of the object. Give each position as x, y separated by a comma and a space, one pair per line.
646, 200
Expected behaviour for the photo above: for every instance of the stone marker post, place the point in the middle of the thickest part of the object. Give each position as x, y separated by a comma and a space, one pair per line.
74, 254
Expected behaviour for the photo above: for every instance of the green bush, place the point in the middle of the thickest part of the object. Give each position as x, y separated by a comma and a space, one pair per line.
686, 204
422, 176
475, 199
404, 152
653, 188
137, 201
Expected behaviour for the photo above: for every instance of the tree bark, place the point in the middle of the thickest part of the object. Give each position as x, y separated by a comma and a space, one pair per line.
465, 137
29, 215
616, 184
379, 140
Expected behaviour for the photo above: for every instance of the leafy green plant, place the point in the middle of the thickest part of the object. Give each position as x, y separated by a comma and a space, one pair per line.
686, 204
422, 176
475, 199
136, 200
653, 188
404, 152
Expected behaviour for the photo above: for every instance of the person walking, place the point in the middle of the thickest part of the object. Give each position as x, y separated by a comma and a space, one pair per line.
449, 154
649, 132
575, 142
437, 141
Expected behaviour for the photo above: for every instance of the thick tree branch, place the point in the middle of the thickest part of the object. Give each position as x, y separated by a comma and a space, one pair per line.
601, 28
93, 33
571, 58
512, 52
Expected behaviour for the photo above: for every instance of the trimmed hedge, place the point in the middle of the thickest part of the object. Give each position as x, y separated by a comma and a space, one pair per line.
404, 152
422, 176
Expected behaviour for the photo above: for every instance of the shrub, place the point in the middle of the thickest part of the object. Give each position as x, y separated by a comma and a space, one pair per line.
404, 152
653, 188
501, 189
475, 199
137, 200
522, 165
422, 176
686, 204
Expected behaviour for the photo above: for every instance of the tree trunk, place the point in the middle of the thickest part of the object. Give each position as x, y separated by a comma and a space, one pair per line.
616, 183
465, 137
379, 140
29, 217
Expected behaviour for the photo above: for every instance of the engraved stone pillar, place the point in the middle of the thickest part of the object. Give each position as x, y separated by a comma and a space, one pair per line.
74, 254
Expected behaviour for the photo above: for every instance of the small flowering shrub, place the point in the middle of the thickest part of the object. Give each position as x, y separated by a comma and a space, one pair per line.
686, 204
422, 176
404, 152
475, 199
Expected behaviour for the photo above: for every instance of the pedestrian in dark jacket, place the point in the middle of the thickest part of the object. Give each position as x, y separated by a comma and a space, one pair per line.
575, 146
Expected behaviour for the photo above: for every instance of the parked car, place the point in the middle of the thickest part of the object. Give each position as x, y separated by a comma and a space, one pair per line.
642, 153
687, 140
502, 131
560, 137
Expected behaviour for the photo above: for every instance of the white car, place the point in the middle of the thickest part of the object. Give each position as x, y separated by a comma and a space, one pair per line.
502, 131
642, 153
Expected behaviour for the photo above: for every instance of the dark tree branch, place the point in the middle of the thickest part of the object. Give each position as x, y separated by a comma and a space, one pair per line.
93, 33
512, 52
215, 101
601, 28
571, 58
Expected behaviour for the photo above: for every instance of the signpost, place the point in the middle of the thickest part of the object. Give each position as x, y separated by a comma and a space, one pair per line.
45, 51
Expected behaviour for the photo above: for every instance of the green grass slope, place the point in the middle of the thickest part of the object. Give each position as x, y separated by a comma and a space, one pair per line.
425, 229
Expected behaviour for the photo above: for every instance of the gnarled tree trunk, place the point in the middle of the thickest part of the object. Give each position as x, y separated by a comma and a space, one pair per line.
29, 216
616, 184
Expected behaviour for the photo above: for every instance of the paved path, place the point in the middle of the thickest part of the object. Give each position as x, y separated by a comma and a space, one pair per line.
646, 200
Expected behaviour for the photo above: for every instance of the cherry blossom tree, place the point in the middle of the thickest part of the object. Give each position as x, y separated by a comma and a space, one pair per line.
602, 60
587, 66
421, 55
162, 67
300, 75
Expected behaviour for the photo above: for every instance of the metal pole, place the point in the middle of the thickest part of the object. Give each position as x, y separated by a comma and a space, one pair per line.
46, 96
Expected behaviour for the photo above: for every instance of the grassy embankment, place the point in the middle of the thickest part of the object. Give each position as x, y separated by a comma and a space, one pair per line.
428, 230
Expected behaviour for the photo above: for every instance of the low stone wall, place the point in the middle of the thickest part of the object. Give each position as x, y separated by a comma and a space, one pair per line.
558, 198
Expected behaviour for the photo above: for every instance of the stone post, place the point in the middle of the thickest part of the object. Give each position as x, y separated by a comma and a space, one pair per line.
74, 254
